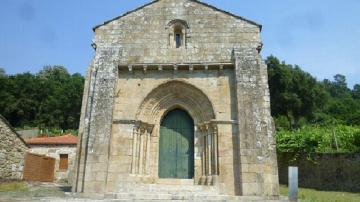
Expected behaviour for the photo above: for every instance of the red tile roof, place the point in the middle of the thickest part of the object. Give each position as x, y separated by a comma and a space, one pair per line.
60, 140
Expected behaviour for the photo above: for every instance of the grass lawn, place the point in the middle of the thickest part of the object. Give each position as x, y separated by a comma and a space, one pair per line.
9, 191
313, 195
13, 186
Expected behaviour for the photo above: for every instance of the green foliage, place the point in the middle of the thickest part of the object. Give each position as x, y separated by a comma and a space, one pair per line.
49, 99
2, 72
299, 99
56, 132
356, 91
321, 139
295, 94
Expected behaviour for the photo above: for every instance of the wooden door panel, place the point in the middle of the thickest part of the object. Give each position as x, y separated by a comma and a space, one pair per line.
176, 155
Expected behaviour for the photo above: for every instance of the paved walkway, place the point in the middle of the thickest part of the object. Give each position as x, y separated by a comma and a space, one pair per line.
50, 192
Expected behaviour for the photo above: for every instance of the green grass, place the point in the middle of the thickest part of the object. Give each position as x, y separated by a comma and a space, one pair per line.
13, 186
24, 190
312, 195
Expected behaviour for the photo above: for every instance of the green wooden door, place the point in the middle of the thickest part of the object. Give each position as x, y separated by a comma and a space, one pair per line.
176, 159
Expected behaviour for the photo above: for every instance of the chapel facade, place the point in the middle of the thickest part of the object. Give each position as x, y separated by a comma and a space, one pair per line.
177, 92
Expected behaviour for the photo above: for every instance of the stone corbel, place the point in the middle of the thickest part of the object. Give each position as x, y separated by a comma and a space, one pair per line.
130, 67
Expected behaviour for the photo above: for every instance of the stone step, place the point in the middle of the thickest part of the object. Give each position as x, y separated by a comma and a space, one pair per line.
169, 188
169, 196
175, 181
187, 197
237, 199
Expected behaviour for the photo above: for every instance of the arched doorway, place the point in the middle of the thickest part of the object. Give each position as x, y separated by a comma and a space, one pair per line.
176, 147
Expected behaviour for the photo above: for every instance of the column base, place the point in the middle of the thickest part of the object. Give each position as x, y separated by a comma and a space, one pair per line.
209, 180
215, 179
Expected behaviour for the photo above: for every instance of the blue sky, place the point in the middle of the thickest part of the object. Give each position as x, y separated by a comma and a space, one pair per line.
321, 36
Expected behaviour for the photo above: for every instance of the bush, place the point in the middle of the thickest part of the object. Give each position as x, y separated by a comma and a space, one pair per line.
321, 139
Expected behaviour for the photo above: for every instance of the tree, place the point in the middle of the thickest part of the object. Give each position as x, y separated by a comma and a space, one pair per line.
2, 72
61, 107
49, 99
338, 88
295, 94
340, 80
356, 91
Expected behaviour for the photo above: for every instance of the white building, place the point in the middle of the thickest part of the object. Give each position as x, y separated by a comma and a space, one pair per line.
62, 148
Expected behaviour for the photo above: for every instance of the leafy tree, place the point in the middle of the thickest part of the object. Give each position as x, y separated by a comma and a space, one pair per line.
295, 94
356, 91
49, 99
342, 105
2, 72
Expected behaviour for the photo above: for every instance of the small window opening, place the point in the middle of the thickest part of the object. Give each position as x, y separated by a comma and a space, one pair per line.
178, 40
64, 159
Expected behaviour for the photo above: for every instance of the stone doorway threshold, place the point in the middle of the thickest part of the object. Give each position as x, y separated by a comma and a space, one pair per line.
175, 181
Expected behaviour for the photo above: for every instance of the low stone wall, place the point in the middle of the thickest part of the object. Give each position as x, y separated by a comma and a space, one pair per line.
12, 152
334, 172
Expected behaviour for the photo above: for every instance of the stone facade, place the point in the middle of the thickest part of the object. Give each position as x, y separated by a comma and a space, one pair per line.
55, 151
173, 54
12, 152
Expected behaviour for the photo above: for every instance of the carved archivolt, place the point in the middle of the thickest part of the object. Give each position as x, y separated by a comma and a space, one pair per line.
164, 98
175, 94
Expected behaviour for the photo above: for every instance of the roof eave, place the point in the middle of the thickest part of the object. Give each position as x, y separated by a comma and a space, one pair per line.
127, 13
51, 144
229, 13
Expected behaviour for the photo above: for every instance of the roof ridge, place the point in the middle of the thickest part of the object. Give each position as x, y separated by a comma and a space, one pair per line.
196, 1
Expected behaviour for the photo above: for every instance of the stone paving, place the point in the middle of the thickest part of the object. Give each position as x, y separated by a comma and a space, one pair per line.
49, 192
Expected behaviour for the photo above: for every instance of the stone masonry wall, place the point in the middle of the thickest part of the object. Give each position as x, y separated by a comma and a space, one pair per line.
332, 172
144, 37
256, 143
133, 89
12, 152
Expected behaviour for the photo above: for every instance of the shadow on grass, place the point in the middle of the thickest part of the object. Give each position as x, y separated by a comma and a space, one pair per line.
65, 188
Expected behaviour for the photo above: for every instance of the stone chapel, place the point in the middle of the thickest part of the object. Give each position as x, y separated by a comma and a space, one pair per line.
177, 94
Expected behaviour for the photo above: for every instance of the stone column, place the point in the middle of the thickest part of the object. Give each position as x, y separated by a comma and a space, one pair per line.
141, 151
147, 156
256, 144
215, 155
141, 148
209, 154
203, 155
134, 149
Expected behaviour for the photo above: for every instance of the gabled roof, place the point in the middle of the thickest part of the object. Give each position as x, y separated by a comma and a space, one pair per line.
196, 1
60, 140
12, 129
